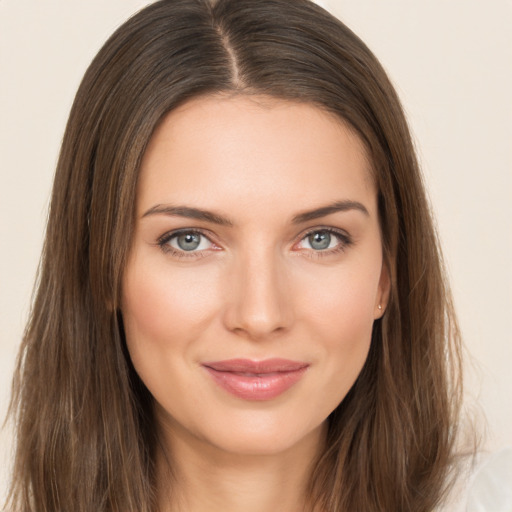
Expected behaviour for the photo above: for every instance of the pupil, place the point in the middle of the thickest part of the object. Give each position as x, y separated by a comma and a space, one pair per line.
320, 240
189, 242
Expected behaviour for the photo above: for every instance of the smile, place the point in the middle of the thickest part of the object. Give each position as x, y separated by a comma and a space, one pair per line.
256, 380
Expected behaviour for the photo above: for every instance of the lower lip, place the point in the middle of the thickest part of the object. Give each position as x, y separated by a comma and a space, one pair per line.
264, 386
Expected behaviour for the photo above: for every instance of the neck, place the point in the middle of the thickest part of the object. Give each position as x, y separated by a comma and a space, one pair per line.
199, 476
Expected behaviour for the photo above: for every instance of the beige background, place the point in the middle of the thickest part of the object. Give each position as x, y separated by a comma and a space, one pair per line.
451, 61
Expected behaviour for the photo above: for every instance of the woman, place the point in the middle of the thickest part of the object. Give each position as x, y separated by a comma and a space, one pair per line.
241, 303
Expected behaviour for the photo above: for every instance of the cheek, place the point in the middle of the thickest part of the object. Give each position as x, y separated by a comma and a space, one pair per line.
343, 299
164, 310
347, 326
340, 317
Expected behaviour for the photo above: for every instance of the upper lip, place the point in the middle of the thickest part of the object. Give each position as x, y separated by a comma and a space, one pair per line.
274, 365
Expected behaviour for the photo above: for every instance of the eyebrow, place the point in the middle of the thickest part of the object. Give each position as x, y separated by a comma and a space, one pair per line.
215, 218
189, 213
338, 206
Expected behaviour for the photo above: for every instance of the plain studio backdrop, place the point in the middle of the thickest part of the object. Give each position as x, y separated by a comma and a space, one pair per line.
451, 61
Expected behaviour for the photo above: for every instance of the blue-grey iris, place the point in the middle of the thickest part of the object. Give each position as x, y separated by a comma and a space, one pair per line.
320, 240
188, 241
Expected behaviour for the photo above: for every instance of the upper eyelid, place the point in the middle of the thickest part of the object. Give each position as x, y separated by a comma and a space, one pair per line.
330, 229
207, 233
175, 232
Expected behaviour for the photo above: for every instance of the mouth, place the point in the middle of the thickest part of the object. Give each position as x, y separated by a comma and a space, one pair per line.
256, 380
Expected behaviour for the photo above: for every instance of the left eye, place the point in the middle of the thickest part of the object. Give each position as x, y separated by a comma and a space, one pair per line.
189, 241
320, 240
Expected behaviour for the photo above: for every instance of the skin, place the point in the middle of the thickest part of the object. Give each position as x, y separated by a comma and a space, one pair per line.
255, 288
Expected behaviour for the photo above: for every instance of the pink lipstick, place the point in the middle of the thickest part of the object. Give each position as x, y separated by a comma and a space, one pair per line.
256, 380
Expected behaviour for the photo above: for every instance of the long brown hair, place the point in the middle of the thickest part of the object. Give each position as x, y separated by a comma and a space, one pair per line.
85, 429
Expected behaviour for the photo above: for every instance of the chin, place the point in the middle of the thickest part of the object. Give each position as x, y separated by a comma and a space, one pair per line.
262, 435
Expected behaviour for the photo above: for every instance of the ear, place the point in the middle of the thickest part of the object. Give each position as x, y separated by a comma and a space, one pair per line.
383, 290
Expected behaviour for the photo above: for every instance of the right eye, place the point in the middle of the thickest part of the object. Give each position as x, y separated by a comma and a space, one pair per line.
182, 242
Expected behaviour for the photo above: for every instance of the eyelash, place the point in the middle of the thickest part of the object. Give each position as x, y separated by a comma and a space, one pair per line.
344, 240
163, 243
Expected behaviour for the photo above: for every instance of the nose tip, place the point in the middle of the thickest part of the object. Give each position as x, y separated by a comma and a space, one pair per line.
259, 304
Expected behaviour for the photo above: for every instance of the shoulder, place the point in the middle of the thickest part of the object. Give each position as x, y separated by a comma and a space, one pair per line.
483, 485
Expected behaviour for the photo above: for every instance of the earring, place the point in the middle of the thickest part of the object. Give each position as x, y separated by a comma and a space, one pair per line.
380, 307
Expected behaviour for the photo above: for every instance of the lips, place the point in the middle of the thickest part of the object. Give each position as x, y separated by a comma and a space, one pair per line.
256, 380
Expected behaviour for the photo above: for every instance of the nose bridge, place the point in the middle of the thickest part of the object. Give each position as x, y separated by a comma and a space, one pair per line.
260, 302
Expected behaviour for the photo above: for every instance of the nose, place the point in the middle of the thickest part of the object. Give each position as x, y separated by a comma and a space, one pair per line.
258, 304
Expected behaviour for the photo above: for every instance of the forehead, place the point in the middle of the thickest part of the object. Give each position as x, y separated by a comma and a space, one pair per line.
254, 149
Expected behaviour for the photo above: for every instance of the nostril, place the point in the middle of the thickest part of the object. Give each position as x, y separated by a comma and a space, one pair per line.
258, 315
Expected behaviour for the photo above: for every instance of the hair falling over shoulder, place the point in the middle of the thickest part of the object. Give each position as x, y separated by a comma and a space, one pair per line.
86, 437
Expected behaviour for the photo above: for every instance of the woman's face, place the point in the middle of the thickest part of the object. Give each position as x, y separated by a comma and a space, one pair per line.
256, 271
